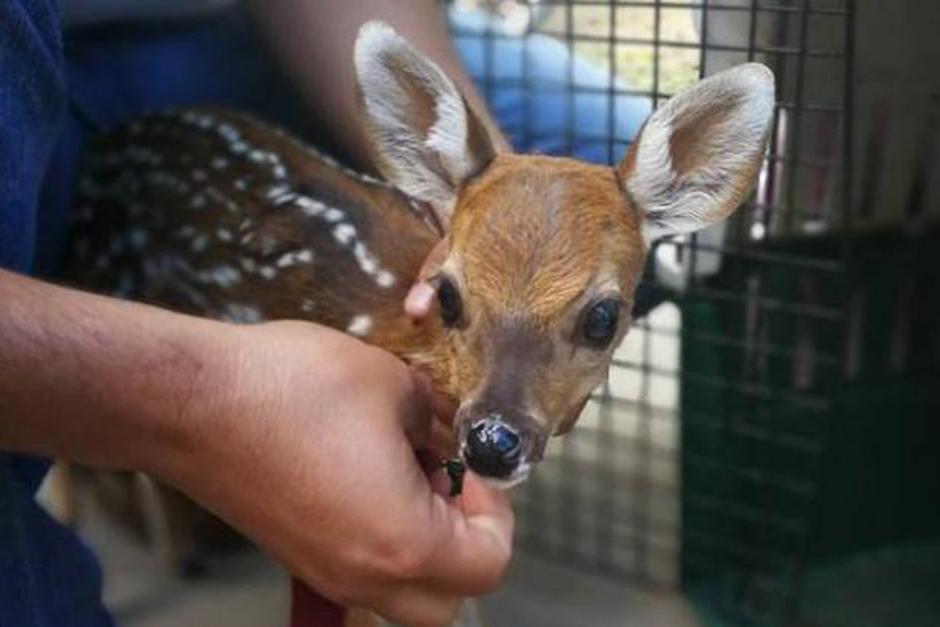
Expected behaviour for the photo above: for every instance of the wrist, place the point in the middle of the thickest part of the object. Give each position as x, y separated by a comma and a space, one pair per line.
200, 397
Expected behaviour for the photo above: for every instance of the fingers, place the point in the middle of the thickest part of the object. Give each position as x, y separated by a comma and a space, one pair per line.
481, 499
442, 440
472, 556
442, 406
440, 481
418, 418
476, 540
473, 540
419, 301
418, 606
462, 546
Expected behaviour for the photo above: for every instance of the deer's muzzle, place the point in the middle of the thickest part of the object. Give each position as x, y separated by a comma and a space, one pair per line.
500, 445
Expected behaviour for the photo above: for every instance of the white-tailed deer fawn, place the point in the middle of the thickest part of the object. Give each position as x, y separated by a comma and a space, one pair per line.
213, 213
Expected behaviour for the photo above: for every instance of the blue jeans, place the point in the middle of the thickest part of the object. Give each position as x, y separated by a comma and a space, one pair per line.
527, 83
113, 74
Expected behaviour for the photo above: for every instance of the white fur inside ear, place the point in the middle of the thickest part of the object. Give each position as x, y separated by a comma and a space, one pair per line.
401, 90
684, 184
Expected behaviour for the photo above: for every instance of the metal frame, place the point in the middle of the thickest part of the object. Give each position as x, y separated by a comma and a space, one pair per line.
748, 483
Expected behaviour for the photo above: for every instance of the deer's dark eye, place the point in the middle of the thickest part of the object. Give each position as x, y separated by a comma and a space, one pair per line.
449, 299
600, 323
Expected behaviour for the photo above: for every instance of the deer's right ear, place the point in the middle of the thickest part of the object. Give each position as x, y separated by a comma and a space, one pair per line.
426, 138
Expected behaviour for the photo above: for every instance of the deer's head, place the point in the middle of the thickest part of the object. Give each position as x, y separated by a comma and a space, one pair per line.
544, 254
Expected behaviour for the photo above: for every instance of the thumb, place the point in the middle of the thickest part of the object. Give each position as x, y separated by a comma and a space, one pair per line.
481, 499
475, 552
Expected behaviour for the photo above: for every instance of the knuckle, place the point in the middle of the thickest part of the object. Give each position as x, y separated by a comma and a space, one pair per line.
489, 579
443, 617
340, 587
403, 557
412, 563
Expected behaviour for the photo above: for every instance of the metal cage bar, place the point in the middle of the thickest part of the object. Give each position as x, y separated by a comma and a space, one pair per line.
697, 465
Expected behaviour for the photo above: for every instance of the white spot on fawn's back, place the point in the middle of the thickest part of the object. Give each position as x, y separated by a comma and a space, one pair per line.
344, 233
186, 231
242, 314
223, 276
366, 260
267, 272
138, 238
310, 207
205, 121
268, 243
360, 325
298, 256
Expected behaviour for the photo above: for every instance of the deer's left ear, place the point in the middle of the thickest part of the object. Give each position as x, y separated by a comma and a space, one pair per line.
426, 138
697, 157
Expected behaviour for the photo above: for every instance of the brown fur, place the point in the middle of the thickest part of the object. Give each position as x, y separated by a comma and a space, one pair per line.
533, 243
531, 236
393, 229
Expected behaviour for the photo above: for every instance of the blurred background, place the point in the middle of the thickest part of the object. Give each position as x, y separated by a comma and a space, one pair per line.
767, 448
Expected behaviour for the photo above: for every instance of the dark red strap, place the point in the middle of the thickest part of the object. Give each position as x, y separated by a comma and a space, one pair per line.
309, 609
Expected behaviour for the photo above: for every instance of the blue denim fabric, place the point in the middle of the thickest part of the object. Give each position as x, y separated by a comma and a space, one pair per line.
527, 82
115, 73
47, 577
32, 104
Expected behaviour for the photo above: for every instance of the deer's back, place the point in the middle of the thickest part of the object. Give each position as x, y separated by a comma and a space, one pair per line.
216, 214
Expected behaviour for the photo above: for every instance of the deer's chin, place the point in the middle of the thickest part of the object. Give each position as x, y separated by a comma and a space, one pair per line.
519, 475
568, 423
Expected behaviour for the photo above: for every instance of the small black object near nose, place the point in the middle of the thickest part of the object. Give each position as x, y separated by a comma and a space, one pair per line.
493, 449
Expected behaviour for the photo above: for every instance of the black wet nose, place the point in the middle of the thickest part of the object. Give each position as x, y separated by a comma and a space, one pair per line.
493, 449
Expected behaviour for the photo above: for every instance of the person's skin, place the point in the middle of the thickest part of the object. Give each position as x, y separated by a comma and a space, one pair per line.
309, 455
314, 42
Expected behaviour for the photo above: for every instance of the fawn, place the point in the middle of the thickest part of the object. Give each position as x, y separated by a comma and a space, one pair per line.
536, 258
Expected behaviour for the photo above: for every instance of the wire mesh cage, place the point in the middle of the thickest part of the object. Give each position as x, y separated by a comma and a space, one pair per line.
723, 457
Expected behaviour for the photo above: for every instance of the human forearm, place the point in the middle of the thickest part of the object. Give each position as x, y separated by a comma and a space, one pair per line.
314, 40
293, 433
98, 380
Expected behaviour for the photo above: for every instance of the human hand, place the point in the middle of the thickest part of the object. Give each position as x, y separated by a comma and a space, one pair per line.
306, 443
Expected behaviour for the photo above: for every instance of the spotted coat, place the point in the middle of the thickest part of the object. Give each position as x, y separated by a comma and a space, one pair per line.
214, 213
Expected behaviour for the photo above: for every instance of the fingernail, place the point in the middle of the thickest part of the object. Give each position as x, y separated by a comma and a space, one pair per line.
419, 299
